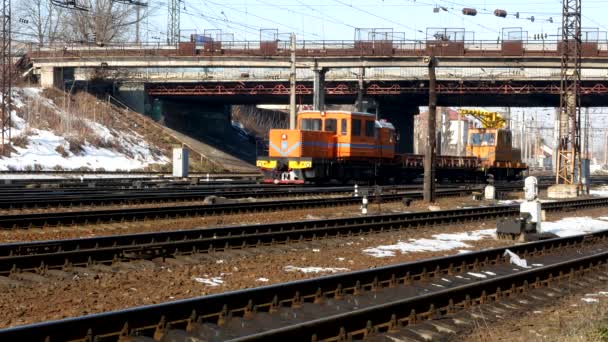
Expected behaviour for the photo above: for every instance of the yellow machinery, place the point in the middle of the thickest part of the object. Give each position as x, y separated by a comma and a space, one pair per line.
487, 119
493, 144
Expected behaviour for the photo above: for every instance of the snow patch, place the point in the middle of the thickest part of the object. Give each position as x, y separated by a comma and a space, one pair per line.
42, 146
439, 242
313, 269
478, 275
213, 281
570, 226
264, 280
590, 300
601, 191
516, 260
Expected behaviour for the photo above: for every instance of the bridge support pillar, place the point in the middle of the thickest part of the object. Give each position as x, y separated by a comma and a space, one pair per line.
402, 117
318, 99
47, 77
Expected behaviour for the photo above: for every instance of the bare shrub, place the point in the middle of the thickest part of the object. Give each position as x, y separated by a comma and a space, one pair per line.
61, 150
20, 140
76, 145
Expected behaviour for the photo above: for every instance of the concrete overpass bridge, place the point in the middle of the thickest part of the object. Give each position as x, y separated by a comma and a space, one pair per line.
515, 72
482, 73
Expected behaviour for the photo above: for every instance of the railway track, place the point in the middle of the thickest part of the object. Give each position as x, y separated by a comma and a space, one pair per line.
14, 221
37, 199
392, 300
41, 256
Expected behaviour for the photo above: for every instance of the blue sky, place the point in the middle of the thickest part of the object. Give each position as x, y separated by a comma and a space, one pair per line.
336, 19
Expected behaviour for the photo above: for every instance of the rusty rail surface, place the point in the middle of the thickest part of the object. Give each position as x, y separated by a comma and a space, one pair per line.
40, 256
344, 306
156, 192
15, 221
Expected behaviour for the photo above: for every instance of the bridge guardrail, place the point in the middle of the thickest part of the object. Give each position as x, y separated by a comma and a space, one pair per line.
325, 48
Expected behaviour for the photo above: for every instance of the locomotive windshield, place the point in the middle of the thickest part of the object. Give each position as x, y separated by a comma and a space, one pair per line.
483, 139
311, 124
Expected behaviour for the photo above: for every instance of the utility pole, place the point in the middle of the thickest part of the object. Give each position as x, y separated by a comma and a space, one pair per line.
292, 84
5, 83
360, 90
138, 18
173, 22
568, 155
522, 136
459, 141
429, 156
606, 148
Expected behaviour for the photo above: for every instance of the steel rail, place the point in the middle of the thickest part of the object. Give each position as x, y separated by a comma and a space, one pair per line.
18, 200
40, 256
13, 221
214, 309
380, 318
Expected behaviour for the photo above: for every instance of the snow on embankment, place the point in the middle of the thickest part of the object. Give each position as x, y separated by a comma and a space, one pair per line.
47, 137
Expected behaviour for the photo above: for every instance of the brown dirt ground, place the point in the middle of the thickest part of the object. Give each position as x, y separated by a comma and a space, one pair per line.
569, 320
27, 298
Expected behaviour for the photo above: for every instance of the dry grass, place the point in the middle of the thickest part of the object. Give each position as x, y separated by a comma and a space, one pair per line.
65, 115
20, 140
259, 121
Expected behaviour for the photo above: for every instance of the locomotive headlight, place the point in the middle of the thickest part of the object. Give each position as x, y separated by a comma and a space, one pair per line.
284, 136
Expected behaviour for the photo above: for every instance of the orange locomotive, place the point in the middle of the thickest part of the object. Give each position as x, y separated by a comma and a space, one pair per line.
330, 144
349, 146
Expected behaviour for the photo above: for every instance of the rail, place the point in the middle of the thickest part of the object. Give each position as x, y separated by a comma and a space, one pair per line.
386, 299
149, 192
14, 221
41, 256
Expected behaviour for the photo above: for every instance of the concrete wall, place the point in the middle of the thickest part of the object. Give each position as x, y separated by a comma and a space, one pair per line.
133, 95
195, 118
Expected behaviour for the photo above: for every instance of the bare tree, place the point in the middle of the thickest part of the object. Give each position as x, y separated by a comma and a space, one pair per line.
40, 20
106, 21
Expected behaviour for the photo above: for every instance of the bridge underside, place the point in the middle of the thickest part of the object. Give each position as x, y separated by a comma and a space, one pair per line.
463, 93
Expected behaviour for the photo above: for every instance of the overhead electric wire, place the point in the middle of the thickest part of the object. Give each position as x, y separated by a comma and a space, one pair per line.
266, 19
326, 15
379, 17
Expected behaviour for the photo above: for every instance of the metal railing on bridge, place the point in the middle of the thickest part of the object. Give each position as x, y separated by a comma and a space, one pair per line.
319, 48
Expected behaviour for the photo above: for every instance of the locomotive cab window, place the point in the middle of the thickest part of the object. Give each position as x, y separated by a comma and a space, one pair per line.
355, 129
489, 139
343, 128
476, 139
370, 128
331, 125
311, 124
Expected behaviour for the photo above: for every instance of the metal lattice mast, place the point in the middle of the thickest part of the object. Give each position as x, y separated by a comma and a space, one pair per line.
5, 82
569, 152
173, 22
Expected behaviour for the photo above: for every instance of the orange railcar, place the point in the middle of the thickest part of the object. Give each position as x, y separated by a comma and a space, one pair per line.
345, 146
327, 139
